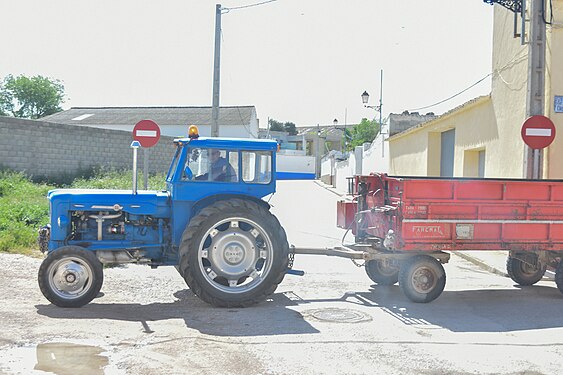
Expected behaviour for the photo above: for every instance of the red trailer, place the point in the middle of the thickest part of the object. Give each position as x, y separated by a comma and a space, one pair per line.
406, 227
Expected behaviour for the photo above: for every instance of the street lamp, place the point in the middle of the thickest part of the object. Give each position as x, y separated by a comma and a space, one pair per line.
377, 108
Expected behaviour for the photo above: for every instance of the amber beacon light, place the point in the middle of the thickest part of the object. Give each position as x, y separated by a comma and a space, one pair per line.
193, 132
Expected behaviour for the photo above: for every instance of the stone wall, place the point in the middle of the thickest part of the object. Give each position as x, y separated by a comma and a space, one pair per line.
43, 149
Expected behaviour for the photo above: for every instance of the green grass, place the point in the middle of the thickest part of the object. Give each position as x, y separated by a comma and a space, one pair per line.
24, 207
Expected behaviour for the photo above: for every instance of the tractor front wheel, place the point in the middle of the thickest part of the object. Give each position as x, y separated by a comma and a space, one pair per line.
70, 276
234, 253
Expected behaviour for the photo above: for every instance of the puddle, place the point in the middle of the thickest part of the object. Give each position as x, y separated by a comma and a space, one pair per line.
54, 358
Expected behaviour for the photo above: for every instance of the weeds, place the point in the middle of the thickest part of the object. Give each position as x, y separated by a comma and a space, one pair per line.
24, 207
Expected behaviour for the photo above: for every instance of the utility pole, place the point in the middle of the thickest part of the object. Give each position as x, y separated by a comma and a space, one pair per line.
216, 73
535, 96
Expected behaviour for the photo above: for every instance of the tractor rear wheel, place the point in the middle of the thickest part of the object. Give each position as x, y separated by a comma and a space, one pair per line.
71, 276
234, 253
422, 278
524, 272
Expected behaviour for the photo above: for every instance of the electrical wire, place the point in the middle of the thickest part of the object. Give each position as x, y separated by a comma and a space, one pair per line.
248, 6
516, 57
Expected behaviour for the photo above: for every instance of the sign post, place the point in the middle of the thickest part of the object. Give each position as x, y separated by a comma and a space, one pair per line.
537, 132
147, 133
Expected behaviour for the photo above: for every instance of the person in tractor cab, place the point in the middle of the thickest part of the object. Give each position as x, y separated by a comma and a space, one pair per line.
220, 169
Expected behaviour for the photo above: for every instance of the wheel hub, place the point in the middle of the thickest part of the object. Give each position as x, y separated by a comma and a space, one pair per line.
234, 254
70, 277
423, 280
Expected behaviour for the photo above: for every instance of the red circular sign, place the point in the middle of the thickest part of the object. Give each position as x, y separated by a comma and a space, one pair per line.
538, 132
147, 133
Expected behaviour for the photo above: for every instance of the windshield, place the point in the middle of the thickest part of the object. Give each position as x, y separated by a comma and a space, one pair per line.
173, 165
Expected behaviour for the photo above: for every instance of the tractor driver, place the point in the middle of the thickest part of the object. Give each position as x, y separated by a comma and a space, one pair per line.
220, 169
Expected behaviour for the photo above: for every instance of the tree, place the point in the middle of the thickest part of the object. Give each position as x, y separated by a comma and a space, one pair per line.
364, 132
275, 125
290, 128
278, 126
30, 97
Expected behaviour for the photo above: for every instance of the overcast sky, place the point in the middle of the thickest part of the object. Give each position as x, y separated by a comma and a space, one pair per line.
305, 61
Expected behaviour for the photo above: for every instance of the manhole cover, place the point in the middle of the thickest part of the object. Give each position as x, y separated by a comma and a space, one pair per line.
338, 315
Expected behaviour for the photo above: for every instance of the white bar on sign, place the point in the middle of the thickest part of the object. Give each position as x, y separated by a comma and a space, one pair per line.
146, 133
538, 132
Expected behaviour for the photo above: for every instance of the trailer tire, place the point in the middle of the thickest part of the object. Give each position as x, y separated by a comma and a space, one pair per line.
382, 273
234, 253
70, 276
559, 276
523, 273
422, 278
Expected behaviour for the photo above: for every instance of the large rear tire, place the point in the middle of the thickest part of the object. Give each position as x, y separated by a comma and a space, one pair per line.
524, 273
559, 276
234, 253
383, 272
70, 276
422, 278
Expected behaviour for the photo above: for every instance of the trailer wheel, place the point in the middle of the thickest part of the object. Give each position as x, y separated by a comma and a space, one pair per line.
422, 278
234, 253
70, 276
559, 276
383, 272
523, 273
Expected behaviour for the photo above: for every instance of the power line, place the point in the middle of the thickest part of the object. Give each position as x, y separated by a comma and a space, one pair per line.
453, 96
250, 5
515, 59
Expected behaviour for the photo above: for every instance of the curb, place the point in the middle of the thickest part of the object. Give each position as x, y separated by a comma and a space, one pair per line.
329, 188
480, 263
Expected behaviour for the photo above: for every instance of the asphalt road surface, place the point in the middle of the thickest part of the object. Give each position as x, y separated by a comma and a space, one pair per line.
330, 321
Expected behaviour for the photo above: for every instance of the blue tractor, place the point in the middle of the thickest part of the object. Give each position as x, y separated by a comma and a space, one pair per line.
211, 223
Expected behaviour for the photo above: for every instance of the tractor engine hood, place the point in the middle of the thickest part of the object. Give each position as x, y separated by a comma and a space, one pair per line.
154, 203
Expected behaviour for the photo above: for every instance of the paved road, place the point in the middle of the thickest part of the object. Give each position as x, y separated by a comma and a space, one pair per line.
330, 321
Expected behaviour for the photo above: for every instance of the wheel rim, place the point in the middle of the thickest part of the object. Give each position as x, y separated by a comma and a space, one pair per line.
235, 255
386, 268
424, 279
70, 277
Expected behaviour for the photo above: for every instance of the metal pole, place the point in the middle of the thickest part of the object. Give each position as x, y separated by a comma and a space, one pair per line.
216, 73
146, 167
318, 158
135, 146
535, 100
381, 115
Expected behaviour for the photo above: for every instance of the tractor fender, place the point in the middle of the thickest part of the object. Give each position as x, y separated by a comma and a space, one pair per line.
201, 204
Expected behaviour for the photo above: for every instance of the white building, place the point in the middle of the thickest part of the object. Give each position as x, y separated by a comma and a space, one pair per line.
234, 122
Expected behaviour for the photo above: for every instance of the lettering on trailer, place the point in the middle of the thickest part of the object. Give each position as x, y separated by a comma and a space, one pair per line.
428, 231
416, 211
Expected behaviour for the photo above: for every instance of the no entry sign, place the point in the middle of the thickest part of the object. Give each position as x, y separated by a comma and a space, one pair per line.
538, 132
147, 133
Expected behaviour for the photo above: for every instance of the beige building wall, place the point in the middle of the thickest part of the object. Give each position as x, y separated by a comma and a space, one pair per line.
417, 151
553, 158
489, 127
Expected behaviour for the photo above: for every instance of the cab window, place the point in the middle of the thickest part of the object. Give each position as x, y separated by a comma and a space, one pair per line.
211, 164
257, 167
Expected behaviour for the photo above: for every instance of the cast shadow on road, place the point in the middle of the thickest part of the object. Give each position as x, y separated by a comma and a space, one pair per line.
268, 318
485, 310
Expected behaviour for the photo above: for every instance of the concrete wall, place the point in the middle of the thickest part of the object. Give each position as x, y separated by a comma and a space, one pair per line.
363, 160
43, 149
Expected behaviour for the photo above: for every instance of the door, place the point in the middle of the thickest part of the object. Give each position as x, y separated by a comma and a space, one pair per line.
447, 153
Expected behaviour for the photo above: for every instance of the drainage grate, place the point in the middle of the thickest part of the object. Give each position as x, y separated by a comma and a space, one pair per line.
336, 315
